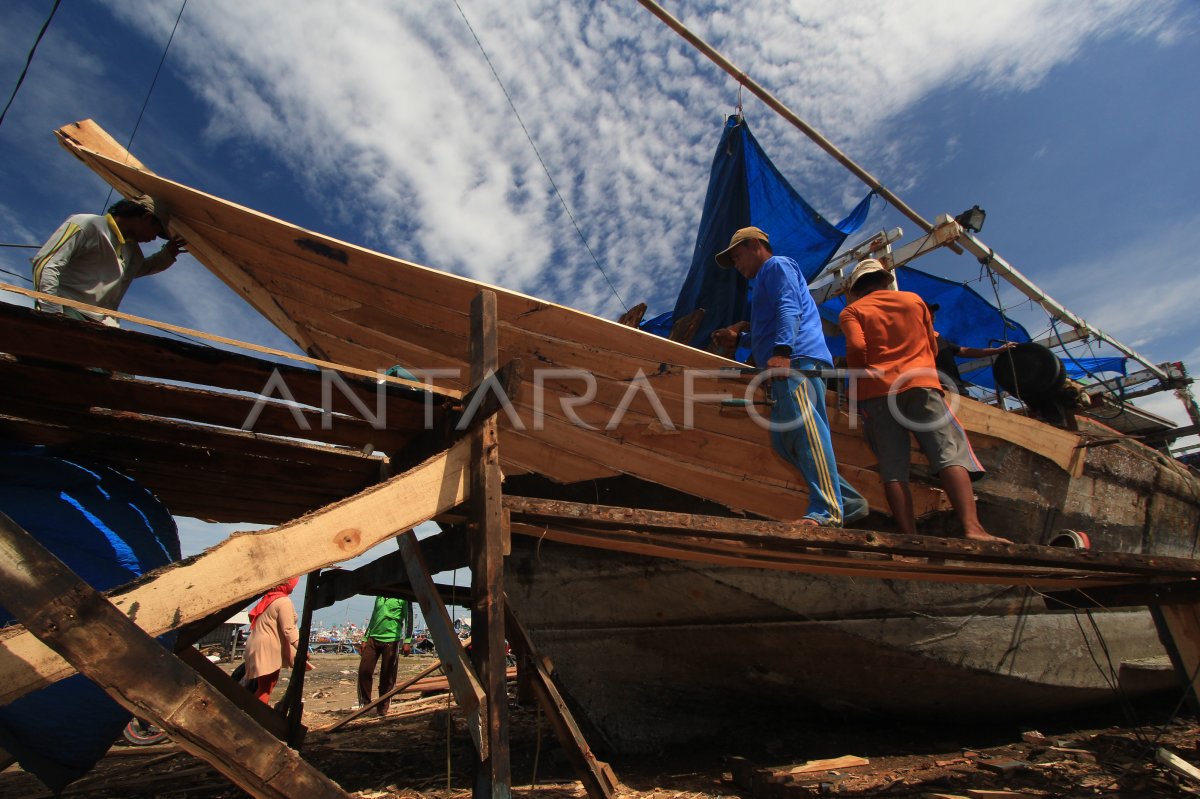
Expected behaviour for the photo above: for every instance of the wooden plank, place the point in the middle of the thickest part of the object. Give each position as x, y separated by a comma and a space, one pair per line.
493, 778
27, 333
262, 714
293, 698
1179, 630
597, 776
126, 393
185, 331
719, 552
131, 667
797, 535
633, 316
247, 564
468, 692
159, 430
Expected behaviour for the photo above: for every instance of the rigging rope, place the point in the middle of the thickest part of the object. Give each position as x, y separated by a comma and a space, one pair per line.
28, 61
545, 168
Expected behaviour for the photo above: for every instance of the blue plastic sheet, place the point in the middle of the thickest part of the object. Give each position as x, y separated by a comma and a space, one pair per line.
744, 189
109, 530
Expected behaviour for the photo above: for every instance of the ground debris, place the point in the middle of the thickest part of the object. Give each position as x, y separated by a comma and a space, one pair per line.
421, 750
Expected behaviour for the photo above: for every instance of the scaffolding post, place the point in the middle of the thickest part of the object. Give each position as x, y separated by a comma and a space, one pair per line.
493, 779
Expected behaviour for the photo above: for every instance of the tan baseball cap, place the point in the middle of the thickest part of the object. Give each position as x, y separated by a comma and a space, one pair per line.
156, 207
725, 256
866, 267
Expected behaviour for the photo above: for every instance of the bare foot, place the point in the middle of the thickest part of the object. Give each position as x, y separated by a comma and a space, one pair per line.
983, 535
807, 522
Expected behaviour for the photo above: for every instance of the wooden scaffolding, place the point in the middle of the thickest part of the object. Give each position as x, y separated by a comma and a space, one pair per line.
353, 485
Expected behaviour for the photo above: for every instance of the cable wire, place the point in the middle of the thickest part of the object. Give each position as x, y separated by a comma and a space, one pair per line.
28, 61
150, 91
15, 274
545, 168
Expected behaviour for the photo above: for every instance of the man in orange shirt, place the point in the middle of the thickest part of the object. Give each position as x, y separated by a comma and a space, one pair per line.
890, 334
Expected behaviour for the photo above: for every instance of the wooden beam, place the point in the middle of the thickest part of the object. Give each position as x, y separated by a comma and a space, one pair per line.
1179, 630
493, 779
801, 536
247, 564
82, 626
597, 776
442, 552
468, 692
293, 698
186, 331
264, 715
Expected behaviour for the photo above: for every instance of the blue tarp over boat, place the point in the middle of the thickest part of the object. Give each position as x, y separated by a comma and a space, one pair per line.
745, 188
109, 530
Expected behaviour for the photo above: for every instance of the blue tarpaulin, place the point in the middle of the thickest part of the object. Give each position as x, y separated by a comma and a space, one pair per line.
745, 189
109, 530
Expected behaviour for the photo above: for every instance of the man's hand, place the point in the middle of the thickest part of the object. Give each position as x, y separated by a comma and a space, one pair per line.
725, 337
174, 246
779, 364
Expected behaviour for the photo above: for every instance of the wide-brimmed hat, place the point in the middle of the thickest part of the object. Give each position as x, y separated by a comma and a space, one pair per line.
866, 267
725, 256
156, 207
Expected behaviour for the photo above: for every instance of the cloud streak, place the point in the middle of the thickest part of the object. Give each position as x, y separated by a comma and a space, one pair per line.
392, 119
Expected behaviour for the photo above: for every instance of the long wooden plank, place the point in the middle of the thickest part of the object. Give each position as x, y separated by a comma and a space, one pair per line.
720, 552
262, 713
465, 685
797, 535
247, 564
125, 393
131, 667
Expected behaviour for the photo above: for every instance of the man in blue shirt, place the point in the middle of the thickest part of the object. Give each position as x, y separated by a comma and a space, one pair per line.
784, 332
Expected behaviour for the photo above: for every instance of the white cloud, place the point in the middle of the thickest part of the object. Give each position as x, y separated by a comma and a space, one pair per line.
392, 118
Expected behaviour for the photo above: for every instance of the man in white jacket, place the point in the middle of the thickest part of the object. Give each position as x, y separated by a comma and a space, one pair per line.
93, 259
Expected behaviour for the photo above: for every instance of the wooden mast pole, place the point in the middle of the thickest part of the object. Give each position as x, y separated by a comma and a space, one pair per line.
977, 248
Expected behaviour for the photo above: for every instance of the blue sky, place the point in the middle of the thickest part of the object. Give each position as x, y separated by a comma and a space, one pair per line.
1072, 122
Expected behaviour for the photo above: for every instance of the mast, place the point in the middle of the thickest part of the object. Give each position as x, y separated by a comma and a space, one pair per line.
985, 254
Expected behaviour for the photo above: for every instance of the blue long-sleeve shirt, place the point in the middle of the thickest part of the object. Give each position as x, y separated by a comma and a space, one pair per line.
783, 314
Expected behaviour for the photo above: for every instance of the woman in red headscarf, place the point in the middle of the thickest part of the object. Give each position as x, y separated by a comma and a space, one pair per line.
273, 639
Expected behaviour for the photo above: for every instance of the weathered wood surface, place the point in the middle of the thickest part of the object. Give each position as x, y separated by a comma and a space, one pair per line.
468, 692
1179, 629
597, 776
263, 714
143, 677
795, 537
493, 778
247, 564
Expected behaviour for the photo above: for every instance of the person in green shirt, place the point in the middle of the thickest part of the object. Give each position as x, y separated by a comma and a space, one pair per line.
380, 644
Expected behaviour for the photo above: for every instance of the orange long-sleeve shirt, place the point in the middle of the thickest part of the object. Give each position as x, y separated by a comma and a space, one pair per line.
890, 332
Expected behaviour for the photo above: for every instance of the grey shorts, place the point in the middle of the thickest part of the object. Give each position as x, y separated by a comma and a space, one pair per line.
923, 413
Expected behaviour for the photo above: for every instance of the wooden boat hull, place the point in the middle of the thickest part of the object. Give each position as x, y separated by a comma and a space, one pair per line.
639, 641
657, 652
